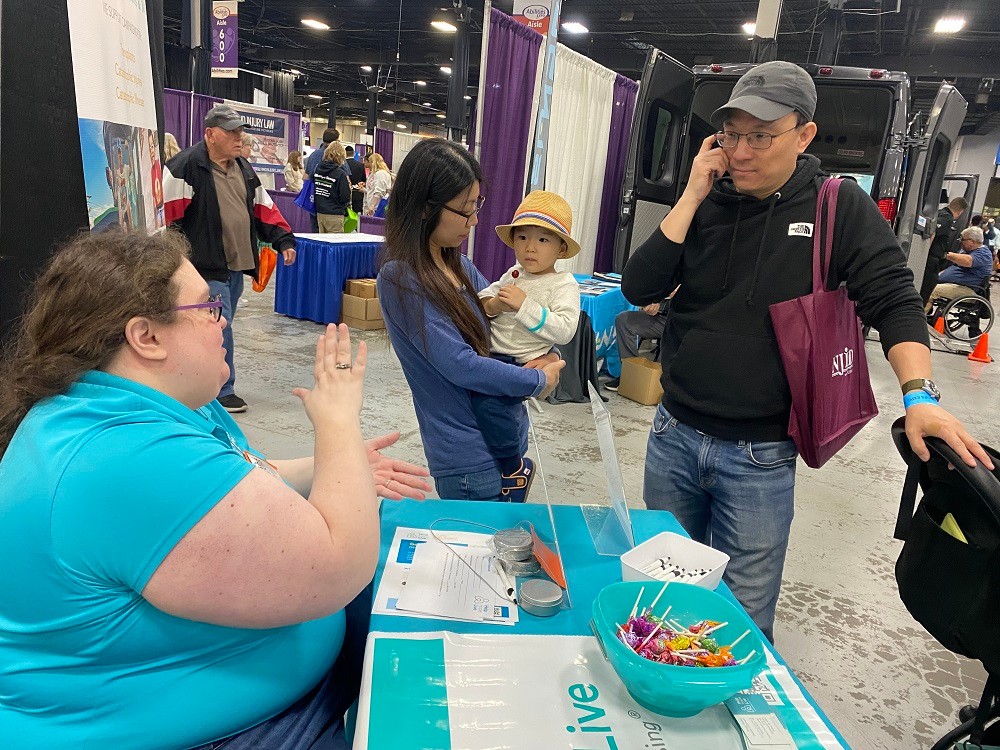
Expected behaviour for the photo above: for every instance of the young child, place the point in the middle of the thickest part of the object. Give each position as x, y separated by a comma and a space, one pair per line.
532, 308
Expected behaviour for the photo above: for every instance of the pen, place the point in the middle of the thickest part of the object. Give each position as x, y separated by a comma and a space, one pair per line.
506, 582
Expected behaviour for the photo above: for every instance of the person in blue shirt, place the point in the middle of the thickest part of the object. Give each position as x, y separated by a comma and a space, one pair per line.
164, 585
972, 267
437, 324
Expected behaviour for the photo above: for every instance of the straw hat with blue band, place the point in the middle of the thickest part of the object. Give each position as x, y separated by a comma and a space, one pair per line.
541, 208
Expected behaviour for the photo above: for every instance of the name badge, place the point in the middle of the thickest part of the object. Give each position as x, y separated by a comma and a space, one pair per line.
260, 463
801, 229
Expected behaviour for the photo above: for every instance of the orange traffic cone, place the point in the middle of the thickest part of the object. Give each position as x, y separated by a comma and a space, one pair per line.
982, 351
939, 324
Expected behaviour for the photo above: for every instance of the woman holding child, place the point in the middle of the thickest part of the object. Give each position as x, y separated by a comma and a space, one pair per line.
438, 310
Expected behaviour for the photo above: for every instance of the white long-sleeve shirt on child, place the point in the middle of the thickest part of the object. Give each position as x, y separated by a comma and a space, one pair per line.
548, 316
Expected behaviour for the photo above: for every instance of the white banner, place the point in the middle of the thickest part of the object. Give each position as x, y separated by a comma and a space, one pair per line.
117, 112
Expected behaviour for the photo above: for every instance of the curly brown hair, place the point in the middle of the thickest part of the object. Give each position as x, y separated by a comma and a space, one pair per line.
76, 315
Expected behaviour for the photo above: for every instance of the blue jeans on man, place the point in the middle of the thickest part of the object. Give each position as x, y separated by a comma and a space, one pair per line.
230, 290
737, 496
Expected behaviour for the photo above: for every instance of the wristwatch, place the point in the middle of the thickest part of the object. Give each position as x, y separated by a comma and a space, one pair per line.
922, 384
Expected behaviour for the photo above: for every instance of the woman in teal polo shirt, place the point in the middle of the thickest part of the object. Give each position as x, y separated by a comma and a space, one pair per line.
163, 584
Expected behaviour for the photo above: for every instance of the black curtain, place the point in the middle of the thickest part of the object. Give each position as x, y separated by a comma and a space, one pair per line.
279, 87
154, 27
44, 200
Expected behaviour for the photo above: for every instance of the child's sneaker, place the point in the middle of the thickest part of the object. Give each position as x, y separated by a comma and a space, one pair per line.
514, 486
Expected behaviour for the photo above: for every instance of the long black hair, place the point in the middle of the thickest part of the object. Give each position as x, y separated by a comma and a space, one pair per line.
433, 173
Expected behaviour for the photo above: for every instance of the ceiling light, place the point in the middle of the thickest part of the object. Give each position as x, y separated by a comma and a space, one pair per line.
441, 116
314, 96
572, 27
366, 68
313, 24
401, 126
949, 25
426, 104
388, 112
446, 70
293, 71
749, 28
468, 98
444, 26
420, 83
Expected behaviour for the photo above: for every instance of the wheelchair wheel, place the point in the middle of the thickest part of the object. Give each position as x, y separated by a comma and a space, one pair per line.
967, 318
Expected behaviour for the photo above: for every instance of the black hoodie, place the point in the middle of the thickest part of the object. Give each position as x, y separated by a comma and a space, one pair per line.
722, 373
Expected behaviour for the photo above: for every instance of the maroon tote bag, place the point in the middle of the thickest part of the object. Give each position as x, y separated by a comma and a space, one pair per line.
823, 352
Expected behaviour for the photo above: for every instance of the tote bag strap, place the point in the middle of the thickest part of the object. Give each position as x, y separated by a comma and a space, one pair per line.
826, 216
907, 501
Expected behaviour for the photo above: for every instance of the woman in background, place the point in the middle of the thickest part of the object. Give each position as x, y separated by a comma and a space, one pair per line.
295, 173
379, 182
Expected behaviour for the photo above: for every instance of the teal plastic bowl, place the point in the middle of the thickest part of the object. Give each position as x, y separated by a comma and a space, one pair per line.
664, 688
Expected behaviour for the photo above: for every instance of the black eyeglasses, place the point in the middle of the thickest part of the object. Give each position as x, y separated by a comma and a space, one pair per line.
214, 305
468, 217
758, 141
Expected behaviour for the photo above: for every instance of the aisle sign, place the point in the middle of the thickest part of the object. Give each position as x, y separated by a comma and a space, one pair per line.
225, 36
535, 14
116, 107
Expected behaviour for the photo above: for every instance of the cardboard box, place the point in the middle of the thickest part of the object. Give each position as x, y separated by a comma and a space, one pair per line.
364, 288
362, 325
640, 381
360, 308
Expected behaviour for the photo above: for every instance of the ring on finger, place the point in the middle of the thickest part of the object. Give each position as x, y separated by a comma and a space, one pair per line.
343, 366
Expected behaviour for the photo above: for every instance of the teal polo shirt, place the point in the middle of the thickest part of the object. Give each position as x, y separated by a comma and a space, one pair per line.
96, 488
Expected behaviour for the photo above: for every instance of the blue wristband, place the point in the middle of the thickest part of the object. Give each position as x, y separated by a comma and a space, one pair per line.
918, 397
545, 314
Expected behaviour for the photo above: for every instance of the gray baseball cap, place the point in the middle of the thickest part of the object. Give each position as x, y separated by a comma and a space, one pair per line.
223, 116
770, 91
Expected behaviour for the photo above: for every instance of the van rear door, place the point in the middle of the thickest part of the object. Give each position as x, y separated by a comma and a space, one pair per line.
928, 161
653, 170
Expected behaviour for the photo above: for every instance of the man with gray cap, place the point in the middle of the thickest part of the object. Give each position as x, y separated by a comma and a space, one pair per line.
970, 270
213, 196
737, 241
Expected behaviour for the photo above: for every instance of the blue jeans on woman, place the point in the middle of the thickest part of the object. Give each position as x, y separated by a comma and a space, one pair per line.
316, 720
737, 496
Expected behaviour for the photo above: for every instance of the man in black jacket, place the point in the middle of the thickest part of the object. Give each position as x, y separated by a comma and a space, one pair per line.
945, 227
719, 456
213, 196
358, 177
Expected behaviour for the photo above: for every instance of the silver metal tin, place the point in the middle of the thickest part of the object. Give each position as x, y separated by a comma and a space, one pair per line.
522, 568
540, 598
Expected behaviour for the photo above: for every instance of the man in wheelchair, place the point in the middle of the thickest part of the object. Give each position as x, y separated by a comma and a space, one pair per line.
968, 277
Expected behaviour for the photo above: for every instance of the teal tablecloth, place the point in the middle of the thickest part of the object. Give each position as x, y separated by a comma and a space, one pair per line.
586, 571
603, 309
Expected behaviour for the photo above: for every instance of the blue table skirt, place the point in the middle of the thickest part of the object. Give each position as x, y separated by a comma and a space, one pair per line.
586, 571
603, 309
313, 285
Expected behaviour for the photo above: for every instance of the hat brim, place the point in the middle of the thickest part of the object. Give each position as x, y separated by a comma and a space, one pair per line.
572, 246
231, 125
762, 109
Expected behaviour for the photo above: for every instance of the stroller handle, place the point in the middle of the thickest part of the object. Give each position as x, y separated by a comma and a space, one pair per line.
982, 480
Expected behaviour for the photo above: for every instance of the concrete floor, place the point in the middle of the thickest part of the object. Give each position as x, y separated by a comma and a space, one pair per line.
880, 678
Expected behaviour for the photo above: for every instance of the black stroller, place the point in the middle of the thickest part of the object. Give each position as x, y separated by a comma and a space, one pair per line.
949, 569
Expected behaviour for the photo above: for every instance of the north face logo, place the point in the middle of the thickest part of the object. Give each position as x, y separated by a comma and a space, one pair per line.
843, 364
754, 81
800, 229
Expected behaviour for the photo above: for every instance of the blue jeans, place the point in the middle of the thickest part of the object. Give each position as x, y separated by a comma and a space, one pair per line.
497, 422
315, 721
231, 292
480, 485
737, 496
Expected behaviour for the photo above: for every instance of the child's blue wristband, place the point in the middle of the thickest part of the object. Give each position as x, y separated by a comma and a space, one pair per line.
917, 397
545, 314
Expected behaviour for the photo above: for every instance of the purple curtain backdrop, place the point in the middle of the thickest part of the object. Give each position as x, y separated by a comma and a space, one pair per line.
621, 126
511, 63
176, 111
177, 117
383, 144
